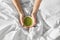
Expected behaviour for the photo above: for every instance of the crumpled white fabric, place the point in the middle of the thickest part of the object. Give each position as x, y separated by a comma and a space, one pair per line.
51, 14
48, 21
10, 28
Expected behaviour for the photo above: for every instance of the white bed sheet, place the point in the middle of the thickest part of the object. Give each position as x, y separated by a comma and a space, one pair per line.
48, 21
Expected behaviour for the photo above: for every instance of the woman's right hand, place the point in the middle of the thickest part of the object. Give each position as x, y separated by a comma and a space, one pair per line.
21, 19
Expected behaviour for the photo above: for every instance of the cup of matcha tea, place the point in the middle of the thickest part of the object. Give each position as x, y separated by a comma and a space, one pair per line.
28, 21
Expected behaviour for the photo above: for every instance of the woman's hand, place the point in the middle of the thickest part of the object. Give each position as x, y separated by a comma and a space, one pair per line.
20, 10
21, 19
22, 15
35, 10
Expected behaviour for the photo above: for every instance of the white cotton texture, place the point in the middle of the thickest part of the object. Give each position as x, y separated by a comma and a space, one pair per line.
48, 18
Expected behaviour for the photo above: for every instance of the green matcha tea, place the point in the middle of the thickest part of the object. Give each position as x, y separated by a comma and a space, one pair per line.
27, 21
